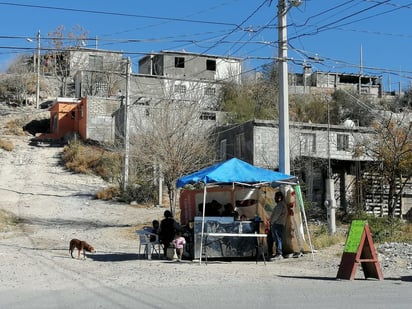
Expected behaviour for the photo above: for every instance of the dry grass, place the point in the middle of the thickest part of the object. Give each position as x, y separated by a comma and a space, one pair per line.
321, 238
380, 233
87, 159
108, 193
15, 127
7, 219
6, 145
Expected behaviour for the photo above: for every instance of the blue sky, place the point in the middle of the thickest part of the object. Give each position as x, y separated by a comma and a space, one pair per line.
333, 31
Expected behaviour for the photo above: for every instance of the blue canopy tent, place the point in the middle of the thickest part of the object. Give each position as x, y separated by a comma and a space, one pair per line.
234, 171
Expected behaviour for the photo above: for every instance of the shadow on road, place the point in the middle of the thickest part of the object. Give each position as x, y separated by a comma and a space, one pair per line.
114, 257
309, 278
74, 223
402, 278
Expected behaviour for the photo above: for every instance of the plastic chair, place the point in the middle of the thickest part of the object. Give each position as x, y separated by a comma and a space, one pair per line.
149, 246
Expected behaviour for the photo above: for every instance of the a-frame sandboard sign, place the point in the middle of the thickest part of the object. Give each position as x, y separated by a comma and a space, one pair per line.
359, 248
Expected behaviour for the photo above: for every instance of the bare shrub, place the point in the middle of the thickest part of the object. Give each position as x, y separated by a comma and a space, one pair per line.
108, 193
6, 145
14, 127
87, 159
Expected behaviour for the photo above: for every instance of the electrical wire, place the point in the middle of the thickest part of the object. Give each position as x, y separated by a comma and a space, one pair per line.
325, 20
116, 14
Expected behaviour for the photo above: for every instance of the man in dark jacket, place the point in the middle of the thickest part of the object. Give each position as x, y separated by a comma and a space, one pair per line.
167, 230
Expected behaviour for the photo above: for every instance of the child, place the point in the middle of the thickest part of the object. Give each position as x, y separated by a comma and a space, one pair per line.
154, 230
179, 243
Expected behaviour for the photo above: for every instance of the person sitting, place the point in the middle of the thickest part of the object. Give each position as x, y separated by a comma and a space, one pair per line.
167, 230
154, 230
228, 210
179, 243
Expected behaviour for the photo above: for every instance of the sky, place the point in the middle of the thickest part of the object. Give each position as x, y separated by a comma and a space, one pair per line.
349, 36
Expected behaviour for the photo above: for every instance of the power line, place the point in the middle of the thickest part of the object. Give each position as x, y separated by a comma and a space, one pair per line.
238, 26
327, 26
150, 26
116, 14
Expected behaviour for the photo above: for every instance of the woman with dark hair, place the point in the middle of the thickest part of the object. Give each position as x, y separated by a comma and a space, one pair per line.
167, 230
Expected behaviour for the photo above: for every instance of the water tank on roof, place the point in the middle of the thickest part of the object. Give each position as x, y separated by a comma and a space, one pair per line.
348, 123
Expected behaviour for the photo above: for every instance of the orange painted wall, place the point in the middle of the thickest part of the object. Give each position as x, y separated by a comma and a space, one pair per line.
66, 115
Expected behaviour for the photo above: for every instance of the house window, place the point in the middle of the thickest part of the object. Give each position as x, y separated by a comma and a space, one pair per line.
211, 65
240, 146
101, 87
342, 142
210, 91
179, 62
207, 116
222, 149
180, 89
308, 143
96, 63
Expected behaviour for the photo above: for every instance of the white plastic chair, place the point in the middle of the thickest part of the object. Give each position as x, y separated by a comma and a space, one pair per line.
149, 246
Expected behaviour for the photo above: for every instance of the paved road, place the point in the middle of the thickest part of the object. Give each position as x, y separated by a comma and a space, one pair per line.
283, 292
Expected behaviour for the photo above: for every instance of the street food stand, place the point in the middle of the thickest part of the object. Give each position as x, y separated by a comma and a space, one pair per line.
226, 202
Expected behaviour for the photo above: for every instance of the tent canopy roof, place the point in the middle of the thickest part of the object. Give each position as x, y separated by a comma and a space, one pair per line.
235, 170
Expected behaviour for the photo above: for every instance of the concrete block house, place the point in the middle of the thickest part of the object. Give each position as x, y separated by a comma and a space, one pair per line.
312, 148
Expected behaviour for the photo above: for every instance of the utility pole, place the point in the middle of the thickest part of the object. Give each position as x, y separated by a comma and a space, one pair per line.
284, 156
330, 202
126, 129
284, 151
360, 70
38, 72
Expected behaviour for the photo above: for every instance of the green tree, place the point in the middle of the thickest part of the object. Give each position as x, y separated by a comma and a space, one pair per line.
255, 98
405, 101
350, 105
308, 108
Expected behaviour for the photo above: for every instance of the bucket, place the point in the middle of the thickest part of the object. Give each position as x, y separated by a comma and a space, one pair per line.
171, 253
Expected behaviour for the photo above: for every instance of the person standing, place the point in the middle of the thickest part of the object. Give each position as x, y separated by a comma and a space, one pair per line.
277, 224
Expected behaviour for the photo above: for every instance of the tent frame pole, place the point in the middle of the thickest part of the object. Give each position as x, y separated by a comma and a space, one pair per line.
203, 223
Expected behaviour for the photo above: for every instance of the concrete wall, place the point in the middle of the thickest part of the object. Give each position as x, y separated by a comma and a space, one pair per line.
261, 140
311, 140
195, 66
99, 118
154, 89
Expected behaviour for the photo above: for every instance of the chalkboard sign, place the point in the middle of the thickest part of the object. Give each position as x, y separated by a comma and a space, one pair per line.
359, 248
355, 236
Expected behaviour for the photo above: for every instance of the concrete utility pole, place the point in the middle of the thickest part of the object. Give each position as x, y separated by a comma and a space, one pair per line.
330, 202
38, 72
284, 151
284, 156
126, 129
360, 70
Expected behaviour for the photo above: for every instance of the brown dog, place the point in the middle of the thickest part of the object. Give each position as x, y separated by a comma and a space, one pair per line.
81, 245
